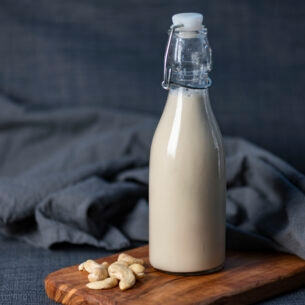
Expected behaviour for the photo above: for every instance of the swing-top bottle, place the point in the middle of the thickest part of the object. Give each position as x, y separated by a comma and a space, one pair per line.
187, 169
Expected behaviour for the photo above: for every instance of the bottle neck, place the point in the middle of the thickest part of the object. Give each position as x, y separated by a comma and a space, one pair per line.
184, 93
188, 59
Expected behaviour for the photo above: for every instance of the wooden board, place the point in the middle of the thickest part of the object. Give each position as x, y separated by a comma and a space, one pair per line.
245, 279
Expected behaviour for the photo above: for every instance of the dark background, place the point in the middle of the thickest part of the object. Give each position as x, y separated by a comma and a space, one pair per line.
110, 53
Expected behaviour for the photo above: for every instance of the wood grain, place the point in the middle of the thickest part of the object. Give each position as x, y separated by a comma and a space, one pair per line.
245, 279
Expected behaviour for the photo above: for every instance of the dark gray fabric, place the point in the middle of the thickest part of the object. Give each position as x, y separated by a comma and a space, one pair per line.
72, 174
91, 188
24, 269
265, 199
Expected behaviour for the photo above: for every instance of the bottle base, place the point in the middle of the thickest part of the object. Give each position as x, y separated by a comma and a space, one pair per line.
203, 272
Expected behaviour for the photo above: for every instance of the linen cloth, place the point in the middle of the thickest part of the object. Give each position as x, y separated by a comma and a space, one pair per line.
80, 175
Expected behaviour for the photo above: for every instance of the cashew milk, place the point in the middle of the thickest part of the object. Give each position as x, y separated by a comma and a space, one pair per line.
187, 186
187, 172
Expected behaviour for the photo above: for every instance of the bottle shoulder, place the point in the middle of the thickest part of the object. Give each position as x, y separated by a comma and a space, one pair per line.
189, 111
187, 123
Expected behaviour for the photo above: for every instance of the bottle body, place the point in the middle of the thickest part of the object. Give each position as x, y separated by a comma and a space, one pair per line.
187, 186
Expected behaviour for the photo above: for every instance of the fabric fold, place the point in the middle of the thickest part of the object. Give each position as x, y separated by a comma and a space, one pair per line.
81, 176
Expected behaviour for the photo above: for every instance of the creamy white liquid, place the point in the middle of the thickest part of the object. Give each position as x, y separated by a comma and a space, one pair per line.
187, 186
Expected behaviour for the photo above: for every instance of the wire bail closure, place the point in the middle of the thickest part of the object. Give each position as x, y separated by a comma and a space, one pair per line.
167, 73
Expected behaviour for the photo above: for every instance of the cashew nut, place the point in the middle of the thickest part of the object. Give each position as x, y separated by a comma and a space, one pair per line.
81, 267
123, 257
105, 264
138, 270
107, 283
125, 271
122, 273
98, 273
88, 265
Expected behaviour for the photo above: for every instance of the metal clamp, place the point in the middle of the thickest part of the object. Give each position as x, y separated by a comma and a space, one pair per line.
168, 72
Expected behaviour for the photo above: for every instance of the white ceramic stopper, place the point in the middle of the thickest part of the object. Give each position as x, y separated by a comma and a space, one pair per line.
190, 21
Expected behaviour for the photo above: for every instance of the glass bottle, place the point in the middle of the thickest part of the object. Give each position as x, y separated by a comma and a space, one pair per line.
187, 184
